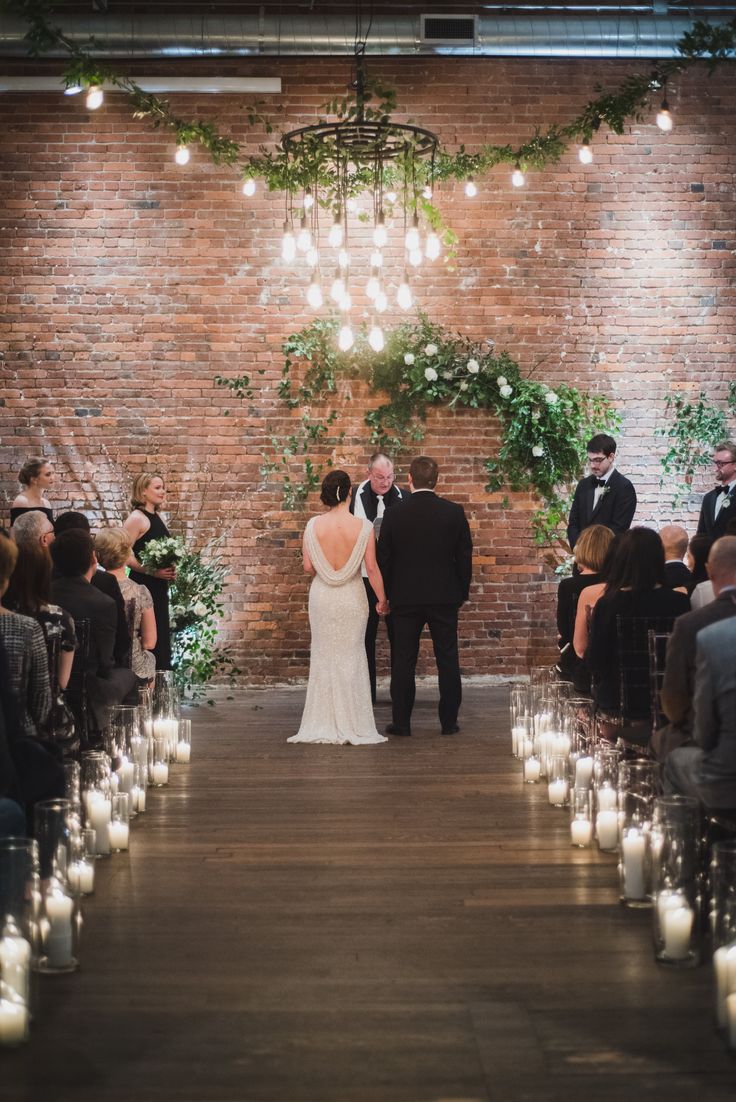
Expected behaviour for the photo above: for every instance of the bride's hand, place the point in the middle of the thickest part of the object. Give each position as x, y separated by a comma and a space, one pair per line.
382, 608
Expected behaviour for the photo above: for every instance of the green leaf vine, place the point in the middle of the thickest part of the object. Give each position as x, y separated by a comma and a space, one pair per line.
695, 427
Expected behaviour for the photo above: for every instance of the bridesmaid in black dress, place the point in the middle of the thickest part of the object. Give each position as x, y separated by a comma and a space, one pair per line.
145, 524
37, 477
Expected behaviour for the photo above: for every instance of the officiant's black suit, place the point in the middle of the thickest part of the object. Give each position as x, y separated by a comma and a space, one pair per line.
425, 557
615, 508
708, 523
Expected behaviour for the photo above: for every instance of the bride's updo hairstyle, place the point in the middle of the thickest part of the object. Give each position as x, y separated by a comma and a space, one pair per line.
335, 488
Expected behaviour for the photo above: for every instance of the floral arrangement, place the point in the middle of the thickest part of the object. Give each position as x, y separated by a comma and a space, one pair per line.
162, 553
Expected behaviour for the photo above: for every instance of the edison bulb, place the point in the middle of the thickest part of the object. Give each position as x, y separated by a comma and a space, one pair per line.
381, 302
372, 287
585, 154
337, 290
249, 187
351, 205
517, 177
665, 121
416, 257
404, 296
470, 189
288, 246
182, 155
345, 339
314, 295
308, 200
426, 192
336, 235
304, 239
376, 259
412, 237
432, 248
343, 258
312, 257
346, 302
380, 233
95, 96
391, 196
376, 339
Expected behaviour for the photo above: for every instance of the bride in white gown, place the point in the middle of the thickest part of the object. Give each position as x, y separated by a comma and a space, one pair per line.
338, 707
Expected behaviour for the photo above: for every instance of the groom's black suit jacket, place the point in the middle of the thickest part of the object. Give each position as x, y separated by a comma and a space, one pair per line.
615, 508
425, 552
708, 523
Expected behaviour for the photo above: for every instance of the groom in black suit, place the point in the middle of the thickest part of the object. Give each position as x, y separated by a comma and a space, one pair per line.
605, 496
425, 556
719, 505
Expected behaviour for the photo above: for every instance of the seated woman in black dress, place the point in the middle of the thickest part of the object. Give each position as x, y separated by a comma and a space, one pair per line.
143, 525
36, 477
590, 551
635, 591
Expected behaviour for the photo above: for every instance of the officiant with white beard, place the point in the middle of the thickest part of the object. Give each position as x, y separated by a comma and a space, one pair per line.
369, 500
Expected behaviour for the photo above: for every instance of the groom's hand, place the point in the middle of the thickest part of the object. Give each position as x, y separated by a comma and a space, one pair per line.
382, 608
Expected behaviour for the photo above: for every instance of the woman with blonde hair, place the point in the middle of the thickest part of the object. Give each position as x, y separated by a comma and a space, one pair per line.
113, 549
143, 525
590, 552
36, 476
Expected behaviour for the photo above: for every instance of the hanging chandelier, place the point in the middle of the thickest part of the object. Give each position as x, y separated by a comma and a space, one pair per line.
358, 192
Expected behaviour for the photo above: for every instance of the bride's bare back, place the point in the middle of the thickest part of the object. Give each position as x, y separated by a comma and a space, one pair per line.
336, 533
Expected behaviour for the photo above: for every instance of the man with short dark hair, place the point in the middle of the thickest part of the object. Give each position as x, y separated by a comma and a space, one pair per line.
71, 519
425, 555
75, 564
605, 496
719, 505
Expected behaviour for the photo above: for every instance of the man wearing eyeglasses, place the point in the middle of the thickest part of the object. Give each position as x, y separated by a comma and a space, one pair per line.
605, 496
719, 505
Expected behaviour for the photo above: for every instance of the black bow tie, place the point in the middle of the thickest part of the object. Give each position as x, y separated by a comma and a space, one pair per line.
600, 482
721, 489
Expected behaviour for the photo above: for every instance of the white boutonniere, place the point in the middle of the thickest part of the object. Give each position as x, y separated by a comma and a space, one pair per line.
726, 504
605, 490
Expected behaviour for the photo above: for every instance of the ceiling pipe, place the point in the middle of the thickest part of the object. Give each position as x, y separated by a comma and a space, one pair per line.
524, 34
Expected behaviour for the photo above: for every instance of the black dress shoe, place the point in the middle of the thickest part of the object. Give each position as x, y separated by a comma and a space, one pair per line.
451, 730
392, 729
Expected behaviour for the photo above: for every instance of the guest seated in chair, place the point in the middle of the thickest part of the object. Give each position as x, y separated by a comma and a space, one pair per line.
635, 591
707, 770
590, 553
675, 542
113, 548
678, 685
75, 564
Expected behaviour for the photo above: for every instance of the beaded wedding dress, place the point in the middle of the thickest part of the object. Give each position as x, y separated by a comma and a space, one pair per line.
338, 707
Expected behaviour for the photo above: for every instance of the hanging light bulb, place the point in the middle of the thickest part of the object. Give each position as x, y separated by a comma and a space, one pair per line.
314, 294
343, 258
351, 205
182, 154
426, 192
376, 338
380, 301
288, 244
346, 302
95, 96
308, 199
376, 259
585, 153
337, 290
412, 235
249, 187
404, 295
517, 176
312, 257
304, 237
470, 189
380, 234
416, 257
336, 235
373, 286
345, 339
73, 90
391, 196
432, 248
665, 121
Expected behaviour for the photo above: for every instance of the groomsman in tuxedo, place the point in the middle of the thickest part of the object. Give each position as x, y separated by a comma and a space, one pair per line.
425, 555
370, 499
719, 504
605, 496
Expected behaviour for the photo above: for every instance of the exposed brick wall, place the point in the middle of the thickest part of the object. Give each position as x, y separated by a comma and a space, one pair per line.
127, 283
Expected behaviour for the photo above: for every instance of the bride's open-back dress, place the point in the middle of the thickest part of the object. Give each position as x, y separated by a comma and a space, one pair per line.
338, 707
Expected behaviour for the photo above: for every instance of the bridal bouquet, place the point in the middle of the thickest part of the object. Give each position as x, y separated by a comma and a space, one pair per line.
160, 554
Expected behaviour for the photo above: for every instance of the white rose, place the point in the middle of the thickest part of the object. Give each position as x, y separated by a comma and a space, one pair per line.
409, 358
551, 398
501, 381
537, 451
463, 386
200, 609
430, 350
536, 415
430, 374
506, 391
473, 367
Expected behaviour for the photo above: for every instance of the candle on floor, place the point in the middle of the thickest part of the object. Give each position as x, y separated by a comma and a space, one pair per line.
633, 849
581, 832
13, 1022
99, 812
160, 774
15, 956
676, 930
119, 834
81, 876
138, 798
126, 775
607, 798
532, 770
583, 772
606, 826
183, 752
731, 1020
58, 941
724, 965
557, 792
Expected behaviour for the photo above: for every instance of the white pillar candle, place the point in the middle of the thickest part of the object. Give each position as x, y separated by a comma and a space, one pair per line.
183, 752
724, 965
731, 1021
99, 814
13, 1022
119, 835
15, 956
527, 748
581, 832
126, 775
517, 740
583, 772
114, 784
58, 941
607, 798
160, 773
557, 792
606, 826
677, 927
532, 770
81, 876
633, 849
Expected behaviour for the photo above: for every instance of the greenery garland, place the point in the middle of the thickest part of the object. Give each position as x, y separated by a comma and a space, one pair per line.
544, 429
694, 430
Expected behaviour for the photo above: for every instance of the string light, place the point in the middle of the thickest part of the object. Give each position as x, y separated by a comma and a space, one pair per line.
412, 235
380, 233
337, 290
470, 189
585, 153
346, 339
427, 192
336, 234
432, 247
381, 302
308, 199
312, 257
665, 122
304, 237
182, 155
376, 338
343, 258
372, 286
314, 295
249, 187
346, 302
288, 244
416, 257
377, 259
404, 295
391, 196
517, 176
95, 96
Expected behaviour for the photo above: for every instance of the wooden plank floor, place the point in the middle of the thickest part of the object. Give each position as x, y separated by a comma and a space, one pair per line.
403, 923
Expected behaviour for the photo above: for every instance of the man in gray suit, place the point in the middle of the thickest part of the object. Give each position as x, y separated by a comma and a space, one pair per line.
678, 685
707, 770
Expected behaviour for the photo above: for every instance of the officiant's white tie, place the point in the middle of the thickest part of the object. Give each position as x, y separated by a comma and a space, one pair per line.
381, 507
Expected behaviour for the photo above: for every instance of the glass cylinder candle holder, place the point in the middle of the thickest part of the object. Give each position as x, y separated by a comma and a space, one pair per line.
19, 881
145, 710
159, 772
634, 867
184, 742
723, 924
638, 787
81, 875
14, 1019
15, 963
119, 829
138, 791
581, 821
532, 770
676, 852
165, 695
606, 830
60, 927
125, 724
73, 785
606, 761
557, 781
54, 837
126, 774
96, 772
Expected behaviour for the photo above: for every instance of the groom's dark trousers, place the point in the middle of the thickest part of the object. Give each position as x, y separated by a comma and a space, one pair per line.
425, 556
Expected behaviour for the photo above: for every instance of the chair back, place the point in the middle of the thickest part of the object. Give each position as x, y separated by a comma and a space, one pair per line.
657, 657
83, 630
635, 690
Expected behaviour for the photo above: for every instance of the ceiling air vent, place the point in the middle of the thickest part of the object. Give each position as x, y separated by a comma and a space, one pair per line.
448, 30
